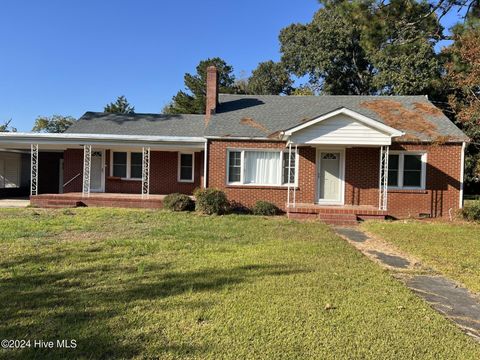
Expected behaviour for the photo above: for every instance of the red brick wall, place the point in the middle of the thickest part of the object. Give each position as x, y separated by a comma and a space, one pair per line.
361, 178
72, 165
248, 195
442, 183
163, 174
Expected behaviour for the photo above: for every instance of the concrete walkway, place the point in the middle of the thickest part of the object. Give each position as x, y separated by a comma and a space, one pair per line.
451, 300
14, 202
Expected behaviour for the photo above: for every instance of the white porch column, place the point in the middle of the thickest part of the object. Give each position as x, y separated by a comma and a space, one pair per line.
87, 164
294, 175
289, 172
383, 179
145, 171
33, 169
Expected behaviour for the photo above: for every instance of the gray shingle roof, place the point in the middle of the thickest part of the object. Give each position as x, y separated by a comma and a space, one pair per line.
139, 124
265, 116
261, 116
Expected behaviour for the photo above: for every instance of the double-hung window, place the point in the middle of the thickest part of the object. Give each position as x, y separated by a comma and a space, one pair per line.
127, 165
185, 167
407, 170
261, 167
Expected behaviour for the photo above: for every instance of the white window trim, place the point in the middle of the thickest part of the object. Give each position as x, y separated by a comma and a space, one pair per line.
129, 162
423, 174
180, 167
242, 167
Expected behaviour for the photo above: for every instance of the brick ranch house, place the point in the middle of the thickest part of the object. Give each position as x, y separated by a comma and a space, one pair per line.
313, 156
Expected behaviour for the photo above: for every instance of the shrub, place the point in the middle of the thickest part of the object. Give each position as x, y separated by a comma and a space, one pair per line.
178, 202
211, 201
472, 212
264, 208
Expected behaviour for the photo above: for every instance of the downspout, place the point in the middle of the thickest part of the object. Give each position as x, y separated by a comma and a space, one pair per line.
462, 174
205, 164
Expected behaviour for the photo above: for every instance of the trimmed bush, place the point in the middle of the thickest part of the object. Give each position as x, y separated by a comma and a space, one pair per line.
178, 202
211, 201
265, 208
472, 212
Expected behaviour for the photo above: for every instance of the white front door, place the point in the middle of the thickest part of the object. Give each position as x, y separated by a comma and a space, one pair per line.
330, 184
96, 172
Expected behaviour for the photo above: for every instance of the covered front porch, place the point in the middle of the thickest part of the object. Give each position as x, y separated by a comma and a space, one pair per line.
110, 170
349, 156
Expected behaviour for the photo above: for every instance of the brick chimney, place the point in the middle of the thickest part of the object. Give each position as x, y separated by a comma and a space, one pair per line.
212, 91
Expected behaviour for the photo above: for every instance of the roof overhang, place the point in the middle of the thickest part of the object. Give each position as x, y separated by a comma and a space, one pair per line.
374, 124
66, 139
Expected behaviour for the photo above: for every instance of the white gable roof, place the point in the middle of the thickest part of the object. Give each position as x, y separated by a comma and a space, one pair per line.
342, 126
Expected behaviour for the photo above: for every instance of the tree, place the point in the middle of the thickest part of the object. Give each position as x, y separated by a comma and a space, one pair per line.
463, 76
363, 47
269, 78
120, 106
328, 50
6, 127
192, 101
303, 90
53, 124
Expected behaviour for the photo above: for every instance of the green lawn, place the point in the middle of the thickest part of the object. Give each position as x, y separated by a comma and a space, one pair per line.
133, 283
451, 248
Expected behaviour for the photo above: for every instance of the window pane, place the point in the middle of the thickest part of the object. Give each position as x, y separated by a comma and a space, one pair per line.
186, 173
393, 162
235, 158
262, 167
136, 159
120, 164
120, 170
234, 174
186, 167
136, 165
186, 159
119, 158
412, 178
234, 166
286, 164
412, 162
136, 171
392, 177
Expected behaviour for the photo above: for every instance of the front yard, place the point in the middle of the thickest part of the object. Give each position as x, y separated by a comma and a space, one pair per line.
133, 283
451, 248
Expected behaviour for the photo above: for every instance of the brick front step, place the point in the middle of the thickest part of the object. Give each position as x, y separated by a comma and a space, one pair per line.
335, 215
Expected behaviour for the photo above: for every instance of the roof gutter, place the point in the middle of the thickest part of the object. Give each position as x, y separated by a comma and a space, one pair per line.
242, 138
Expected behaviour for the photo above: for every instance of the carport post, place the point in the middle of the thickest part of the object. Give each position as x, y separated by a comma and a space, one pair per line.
145, 171
87, 162
33, 169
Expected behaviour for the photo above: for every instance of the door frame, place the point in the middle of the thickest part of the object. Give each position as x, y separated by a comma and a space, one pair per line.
341, 200
102, 173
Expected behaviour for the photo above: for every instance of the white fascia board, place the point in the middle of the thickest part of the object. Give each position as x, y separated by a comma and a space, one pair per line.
247, 138
353, 114
105, 139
